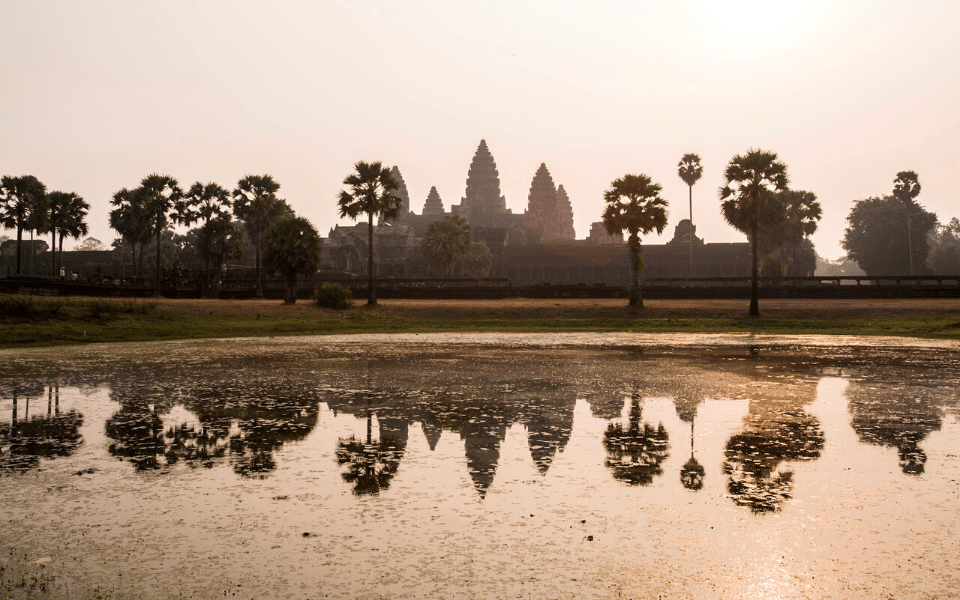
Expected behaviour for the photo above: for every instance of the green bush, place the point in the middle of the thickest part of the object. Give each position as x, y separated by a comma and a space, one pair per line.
333, 295
17, 306
104, 309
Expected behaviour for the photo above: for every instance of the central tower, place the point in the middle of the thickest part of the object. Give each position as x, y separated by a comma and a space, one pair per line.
482, 202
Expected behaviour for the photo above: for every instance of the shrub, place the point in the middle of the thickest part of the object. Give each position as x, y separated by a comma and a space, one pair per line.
104, 309
333, 295
16, 306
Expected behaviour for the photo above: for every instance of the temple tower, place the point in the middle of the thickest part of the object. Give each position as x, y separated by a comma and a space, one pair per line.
565, 215
482, 197
541, 216
433, 205
402, 193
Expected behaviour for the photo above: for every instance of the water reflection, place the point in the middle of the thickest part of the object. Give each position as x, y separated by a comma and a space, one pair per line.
369, 466
634, 453
776, 430
28, 437
899, 417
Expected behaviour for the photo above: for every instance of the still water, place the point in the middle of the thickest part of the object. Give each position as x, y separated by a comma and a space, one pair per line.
482, 466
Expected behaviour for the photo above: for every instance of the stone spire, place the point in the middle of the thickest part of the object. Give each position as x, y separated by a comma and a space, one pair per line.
542, 217
565, 215
433, 204
483, 185
400, 192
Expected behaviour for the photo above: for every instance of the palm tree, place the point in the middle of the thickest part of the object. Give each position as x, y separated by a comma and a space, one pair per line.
161, 195
38, 222
255, 202
750, 200
68, 212
801, 214
131, 221
446, 241
20, 198
689, 169
204, 202
906, 187
292, 248
371, 192
220, 238
634, 205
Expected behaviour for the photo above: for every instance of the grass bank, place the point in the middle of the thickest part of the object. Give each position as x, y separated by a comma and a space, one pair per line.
32, 321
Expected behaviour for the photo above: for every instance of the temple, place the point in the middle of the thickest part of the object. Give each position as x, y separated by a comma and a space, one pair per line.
538, 246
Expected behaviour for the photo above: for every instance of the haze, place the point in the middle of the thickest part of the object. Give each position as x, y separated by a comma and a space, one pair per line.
96, 95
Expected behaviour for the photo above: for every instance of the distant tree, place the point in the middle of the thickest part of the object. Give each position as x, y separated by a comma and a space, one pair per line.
750, 201
161, 196
445, 242
689, 169
634, 205
479, 260
371, 192
22, 200
944, 242
68, 213
906, 188
802, 213
844, 266
91, 243
131, 220
220, 239
875, 238
291, 247
255, 203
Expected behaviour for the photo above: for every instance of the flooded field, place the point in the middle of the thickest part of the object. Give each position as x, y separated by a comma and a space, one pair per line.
482, 466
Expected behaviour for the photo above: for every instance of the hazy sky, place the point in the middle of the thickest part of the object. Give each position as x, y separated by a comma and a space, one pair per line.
96, 95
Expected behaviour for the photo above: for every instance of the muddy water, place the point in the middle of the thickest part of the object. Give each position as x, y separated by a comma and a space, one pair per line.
482, 466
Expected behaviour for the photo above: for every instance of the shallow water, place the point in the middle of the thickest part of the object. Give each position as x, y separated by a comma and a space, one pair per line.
482, 466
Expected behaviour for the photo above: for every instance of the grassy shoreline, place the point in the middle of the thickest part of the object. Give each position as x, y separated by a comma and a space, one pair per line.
36, 322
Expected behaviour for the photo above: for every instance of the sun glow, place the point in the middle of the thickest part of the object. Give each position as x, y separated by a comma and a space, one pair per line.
775, 25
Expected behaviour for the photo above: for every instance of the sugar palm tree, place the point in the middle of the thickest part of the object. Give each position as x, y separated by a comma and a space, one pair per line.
68, 212
20, 198
255, 202
131, 221
689, 169
906, 187
802, 212
371, 188
161, 196
634, 205
203, 203
291, 248
750, 201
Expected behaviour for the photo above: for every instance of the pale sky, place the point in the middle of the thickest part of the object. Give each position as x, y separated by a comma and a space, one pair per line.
96, 95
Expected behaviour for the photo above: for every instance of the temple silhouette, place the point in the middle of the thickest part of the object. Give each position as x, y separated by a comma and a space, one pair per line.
537, 246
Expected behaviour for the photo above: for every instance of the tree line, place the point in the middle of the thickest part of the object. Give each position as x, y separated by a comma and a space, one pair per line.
892, 234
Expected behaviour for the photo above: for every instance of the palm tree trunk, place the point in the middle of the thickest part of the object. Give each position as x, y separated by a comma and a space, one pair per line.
156, 291
372, 295
33, 252
909, 241
53, 251
691, 230
636, 294
60, 253
259, 284
291, 292
754, 296
19, 247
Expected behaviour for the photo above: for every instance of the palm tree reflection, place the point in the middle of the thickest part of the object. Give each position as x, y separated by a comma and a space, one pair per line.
369, 465
634, 454
28, 437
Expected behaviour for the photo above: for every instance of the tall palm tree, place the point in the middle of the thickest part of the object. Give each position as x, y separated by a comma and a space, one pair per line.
371, 192
292, 248
689, 169
802, 212
131, 221
68, 213
205, 202
20, 198
633, 204
750, 200
161, 194
906, 187
255, 202
38, 222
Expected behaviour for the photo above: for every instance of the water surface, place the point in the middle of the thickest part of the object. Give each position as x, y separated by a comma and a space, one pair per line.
482, 466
